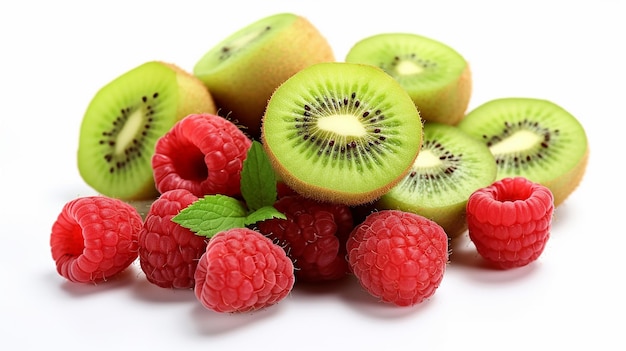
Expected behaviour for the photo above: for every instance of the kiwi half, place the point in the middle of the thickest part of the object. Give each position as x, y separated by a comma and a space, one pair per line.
436, 76
449, 168
534, 138
245, 68
124, 120
341, 132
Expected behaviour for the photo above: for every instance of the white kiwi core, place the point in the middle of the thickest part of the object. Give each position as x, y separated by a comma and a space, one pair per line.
519, 141
127, 134
346, 125
407, 68
242, 41
426, 159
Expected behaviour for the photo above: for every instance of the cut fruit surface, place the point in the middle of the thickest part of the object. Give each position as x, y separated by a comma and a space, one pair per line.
123, 122
449, 168
244, 69
436, 76
341, 132
533, 138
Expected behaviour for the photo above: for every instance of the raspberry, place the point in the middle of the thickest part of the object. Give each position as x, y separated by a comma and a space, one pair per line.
202, 153
168, 252
282, 189
509, 221
241, 271
94, 238
314, 236
397, 256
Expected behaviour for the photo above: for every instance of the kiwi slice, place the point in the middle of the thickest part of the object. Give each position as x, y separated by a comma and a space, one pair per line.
436, 76
244, 69
533, 138
341, 132
124, 120
449, 168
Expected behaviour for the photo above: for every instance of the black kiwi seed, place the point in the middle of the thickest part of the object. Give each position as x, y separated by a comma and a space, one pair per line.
390, 67
118, 161
450, 164
123, 122
227, 50
348, 147
519, 160
540, 141
341, 132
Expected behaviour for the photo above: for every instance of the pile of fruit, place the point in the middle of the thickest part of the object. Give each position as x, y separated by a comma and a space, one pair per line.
274, 164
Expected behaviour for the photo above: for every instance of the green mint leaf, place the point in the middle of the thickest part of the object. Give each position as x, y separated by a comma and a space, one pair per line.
258, 180
263, 213
212, 214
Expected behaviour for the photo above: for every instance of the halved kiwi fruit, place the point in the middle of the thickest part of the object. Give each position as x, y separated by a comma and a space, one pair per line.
124, 120
437, 77
534, 138
244, 69
449, 168
341, 132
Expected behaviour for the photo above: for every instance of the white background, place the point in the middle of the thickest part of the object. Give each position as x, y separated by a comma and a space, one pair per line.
57, 54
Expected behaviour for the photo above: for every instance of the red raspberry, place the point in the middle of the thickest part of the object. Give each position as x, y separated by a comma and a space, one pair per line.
397, 256
509, 221
241, 271
94, 238
313, 235
282, 189
202, 153
168, 252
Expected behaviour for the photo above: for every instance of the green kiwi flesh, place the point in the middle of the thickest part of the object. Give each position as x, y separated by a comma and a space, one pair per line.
341, 132
243, 70
123, 121
436, 76
449, 168
533, 138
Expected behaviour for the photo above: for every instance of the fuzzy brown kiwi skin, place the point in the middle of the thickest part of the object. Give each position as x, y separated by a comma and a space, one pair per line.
445, 109
193, 101
563, 187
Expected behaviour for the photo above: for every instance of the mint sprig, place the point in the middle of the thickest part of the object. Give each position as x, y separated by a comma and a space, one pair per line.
215, 213
258, 180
